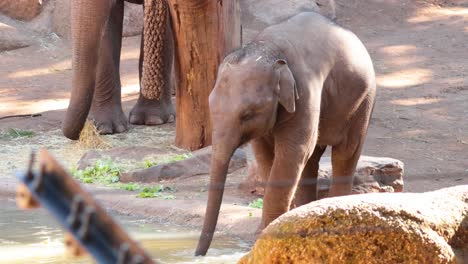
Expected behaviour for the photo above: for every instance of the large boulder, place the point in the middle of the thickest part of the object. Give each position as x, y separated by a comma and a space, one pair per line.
61, 19
40, 18
16, 33
132, 22
197, 163
427, 227
34, 19
373, 174
257, 15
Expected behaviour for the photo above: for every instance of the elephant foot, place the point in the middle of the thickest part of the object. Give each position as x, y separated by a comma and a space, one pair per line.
152, 112
109, 119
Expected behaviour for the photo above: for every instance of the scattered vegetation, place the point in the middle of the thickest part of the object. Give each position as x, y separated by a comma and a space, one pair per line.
157, 191
103, 171
177, 158
107, 173
149, 163
13, 133
132, 187
258, 203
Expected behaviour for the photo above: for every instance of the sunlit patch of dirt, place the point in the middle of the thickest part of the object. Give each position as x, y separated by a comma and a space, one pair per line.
415, 101
430, 14
404, 78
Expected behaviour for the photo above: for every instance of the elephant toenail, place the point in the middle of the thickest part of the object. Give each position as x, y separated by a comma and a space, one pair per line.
136, 119
154, 120
121, 128
104, 129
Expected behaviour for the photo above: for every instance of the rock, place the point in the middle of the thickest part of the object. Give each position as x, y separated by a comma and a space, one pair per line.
11, 38
61, 19
132, 22
123, 154
24, 10
198, 164
47, 16
427, 227
133, 19
18, 34
373, 174
327, 8
257, 15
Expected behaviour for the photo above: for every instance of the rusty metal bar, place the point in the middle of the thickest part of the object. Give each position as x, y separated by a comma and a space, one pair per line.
90, 228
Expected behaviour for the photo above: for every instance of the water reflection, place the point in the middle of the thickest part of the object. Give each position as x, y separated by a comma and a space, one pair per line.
34, 237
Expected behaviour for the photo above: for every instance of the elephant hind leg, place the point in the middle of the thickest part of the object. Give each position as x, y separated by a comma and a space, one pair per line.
106, 109
345, 155
306, 191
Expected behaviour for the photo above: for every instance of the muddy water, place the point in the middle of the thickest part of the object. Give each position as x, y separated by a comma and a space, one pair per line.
34, 237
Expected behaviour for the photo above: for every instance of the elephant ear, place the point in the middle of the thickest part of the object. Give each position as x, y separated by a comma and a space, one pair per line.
286, 90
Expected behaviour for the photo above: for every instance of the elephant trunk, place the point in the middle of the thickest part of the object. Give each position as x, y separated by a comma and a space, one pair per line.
155, 42
88, 18
221, 156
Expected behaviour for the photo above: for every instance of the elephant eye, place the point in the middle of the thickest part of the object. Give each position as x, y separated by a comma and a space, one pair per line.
246, 116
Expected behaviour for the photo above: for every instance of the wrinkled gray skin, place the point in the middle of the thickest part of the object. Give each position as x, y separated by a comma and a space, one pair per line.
96, 28
298, 87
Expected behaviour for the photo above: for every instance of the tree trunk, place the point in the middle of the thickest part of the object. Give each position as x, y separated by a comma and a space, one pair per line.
204, 32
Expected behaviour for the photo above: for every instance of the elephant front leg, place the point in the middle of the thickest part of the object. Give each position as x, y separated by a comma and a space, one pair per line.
288, 164
264, 155
106, 108
307, 189
154, 105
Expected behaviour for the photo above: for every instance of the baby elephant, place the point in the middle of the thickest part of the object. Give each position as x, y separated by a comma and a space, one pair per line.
298, 87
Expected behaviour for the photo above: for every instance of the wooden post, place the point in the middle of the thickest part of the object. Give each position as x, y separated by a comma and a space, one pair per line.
204, 32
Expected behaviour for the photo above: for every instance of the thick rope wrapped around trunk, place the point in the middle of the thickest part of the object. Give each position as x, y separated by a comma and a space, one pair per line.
154, 33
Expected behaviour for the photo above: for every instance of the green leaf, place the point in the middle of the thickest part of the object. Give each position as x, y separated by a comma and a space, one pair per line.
258, 203
13, 133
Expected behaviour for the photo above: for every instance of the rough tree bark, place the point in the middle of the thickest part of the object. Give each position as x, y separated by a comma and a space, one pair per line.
204, 32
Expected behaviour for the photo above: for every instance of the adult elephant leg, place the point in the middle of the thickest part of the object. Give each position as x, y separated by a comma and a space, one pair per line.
88, 18
106, 109
154, 105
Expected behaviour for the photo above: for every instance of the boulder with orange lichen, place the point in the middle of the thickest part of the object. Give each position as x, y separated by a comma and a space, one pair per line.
429, 227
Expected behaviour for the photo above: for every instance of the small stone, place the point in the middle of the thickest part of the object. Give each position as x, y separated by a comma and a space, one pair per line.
11, 38
24, 10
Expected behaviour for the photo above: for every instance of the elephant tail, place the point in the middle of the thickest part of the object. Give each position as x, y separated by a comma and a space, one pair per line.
154, 34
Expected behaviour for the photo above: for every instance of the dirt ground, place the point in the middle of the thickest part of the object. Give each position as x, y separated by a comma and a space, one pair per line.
420, 56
